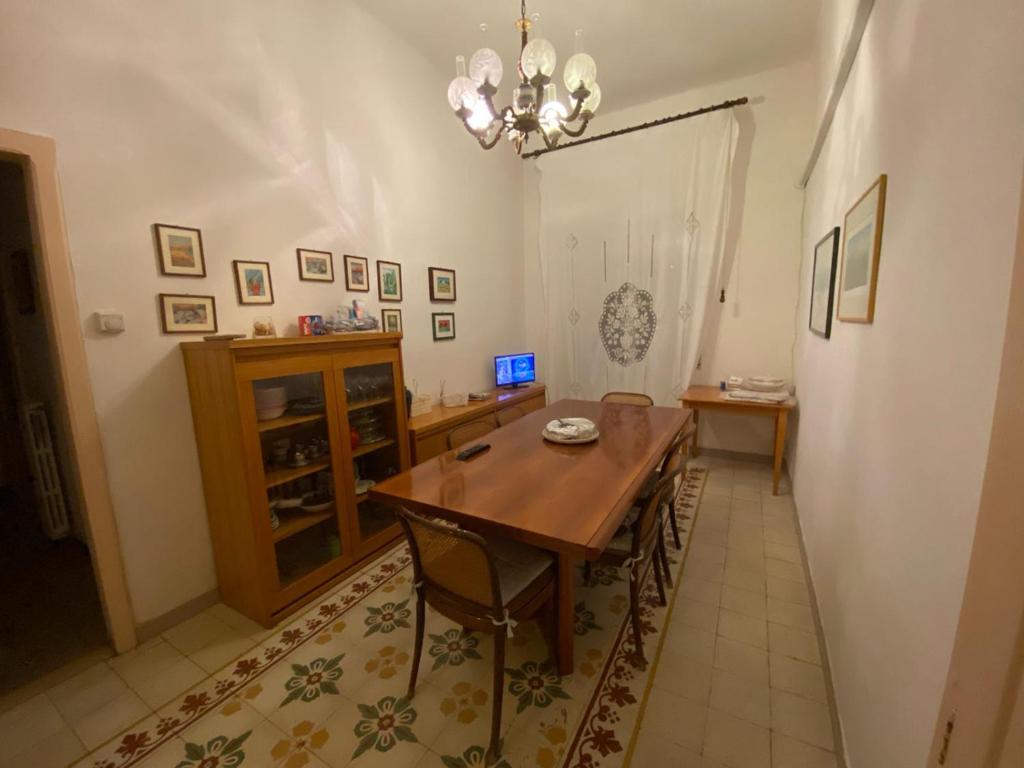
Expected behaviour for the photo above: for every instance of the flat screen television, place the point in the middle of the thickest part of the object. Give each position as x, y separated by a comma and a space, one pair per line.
514, 370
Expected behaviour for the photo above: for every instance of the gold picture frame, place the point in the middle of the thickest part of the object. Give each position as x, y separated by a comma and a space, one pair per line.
862, 250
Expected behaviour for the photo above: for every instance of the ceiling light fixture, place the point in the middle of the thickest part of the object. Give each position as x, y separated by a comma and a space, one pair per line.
535, 106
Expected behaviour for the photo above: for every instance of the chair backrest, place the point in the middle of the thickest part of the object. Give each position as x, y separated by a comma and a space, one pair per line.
675, 456
464, 433
510, 414
455, 561
646, 522
628, 398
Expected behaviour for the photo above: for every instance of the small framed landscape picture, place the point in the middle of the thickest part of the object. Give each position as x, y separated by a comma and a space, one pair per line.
188, 314
316, 265
180, 250
823, 283
442, 284
389, 281
444, 325
862, 247
252, 279
391, 319
357, 273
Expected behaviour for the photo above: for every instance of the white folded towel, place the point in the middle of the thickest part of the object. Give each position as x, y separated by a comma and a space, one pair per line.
572, 428
763, 397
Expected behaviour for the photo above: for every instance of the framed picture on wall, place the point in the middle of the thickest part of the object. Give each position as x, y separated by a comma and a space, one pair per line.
823, 283
391, 320
357, 273
252, 279
181, 313
180, 250
444, 325
317, 266
862, 248
389, 281
442, 284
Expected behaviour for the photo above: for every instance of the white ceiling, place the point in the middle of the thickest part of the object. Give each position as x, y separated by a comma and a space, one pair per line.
644, 48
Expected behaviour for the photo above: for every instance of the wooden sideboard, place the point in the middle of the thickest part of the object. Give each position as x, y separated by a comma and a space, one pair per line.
428, 432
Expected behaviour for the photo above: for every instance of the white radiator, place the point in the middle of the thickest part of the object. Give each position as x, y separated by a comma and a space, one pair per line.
52, 512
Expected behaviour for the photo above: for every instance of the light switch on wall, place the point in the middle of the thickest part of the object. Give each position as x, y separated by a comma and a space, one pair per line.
110, 322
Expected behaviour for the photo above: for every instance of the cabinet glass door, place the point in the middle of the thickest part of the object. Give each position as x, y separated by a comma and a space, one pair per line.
295, 446
373, 424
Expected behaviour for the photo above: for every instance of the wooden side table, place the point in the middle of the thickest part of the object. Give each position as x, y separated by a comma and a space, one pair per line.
705, 398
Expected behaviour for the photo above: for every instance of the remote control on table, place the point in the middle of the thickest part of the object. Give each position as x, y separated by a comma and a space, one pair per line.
473, 450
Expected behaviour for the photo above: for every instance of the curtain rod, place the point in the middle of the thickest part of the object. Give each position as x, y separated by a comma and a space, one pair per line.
642, 126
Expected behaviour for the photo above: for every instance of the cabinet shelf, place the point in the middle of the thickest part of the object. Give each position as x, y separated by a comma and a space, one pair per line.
362, 450
369, 403
284, 475
283, 422
294, 522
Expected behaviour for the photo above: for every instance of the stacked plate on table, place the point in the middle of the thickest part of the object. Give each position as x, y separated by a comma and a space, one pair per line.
763, 383
570, 431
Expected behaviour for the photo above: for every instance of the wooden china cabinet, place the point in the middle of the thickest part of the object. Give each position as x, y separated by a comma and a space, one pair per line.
291, 434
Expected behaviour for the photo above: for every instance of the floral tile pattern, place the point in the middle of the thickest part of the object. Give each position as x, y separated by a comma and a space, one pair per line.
329, 688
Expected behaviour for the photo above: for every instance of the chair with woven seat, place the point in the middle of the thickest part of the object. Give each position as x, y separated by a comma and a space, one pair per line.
487, 585
465, 433
508, 415
628, 398
641, 548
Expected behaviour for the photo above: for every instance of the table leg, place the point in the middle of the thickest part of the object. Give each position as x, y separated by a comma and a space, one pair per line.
566, 614
780, 446
696, 433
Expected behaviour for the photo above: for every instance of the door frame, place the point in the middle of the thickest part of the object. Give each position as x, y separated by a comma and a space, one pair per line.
38, 158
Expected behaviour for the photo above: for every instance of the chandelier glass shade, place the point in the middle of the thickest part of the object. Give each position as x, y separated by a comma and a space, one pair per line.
535, 107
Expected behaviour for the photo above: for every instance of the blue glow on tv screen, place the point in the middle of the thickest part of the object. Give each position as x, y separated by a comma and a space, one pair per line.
510, 370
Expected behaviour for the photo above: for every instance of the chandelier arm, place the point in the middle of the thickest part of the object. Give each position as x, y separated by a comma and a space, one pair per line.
551, 143
489, 143
574, 133
579, 96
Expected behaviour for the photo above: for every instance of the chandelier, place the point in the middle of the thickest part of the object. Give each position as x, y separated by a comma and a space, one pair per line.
535, 106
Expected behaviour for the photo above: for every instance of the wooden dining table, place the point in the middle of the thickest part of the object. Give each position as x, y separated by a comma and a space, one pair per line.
568, 499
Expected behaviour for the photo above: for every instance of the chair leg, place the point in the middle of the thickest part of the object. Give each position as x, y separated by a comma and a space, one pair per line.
420, 622
675, 525
497, 694
657, 577
663, 554
586, 573
634, 609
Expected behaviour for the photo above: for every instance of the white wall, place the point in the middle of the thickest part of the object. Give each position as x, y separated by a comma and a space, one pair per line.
752, 333
270, 126
895, 416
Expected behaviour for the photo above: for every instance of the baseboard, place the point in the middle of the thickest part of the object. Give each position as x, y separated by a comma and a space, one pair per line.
838, 736
147, 630
721, 453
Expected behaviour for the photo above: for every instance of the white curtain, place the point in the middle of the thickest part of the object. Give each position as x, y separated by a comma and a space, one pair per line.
632, 233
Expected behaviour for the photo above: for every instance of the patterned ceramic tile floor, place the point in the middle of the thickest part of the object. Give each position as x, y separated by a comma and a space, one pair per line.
738, 682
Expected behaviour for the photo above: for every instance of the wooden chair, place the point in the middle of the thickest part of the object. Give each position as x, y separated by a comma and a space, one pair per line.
465, 433
628, 398
508, 415
484, 585
675, 457
639, 549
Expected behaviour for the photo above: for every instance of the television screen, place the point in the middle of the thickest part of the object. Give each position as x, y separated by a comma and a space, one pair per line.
513, 370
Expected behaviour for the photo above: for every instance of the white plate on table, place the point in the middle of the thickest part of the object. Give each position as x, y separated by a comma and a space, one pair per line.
570, 440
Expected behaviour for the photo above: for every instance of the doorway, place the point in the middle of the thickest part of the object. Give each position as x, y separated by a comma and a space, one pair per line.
52, 614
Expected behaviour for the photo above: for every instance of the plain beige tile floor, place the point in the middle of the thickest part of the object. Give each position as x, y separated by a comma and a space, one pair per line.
739, 683
62, 723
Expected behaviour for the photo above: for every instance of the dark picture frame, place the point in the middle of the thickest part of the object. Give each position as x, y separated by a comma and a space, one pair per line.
442, 283
387, 315
382, 279
437, 320
307, 256
244, 280
352, 284
171, 321
175, 257
825, 258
